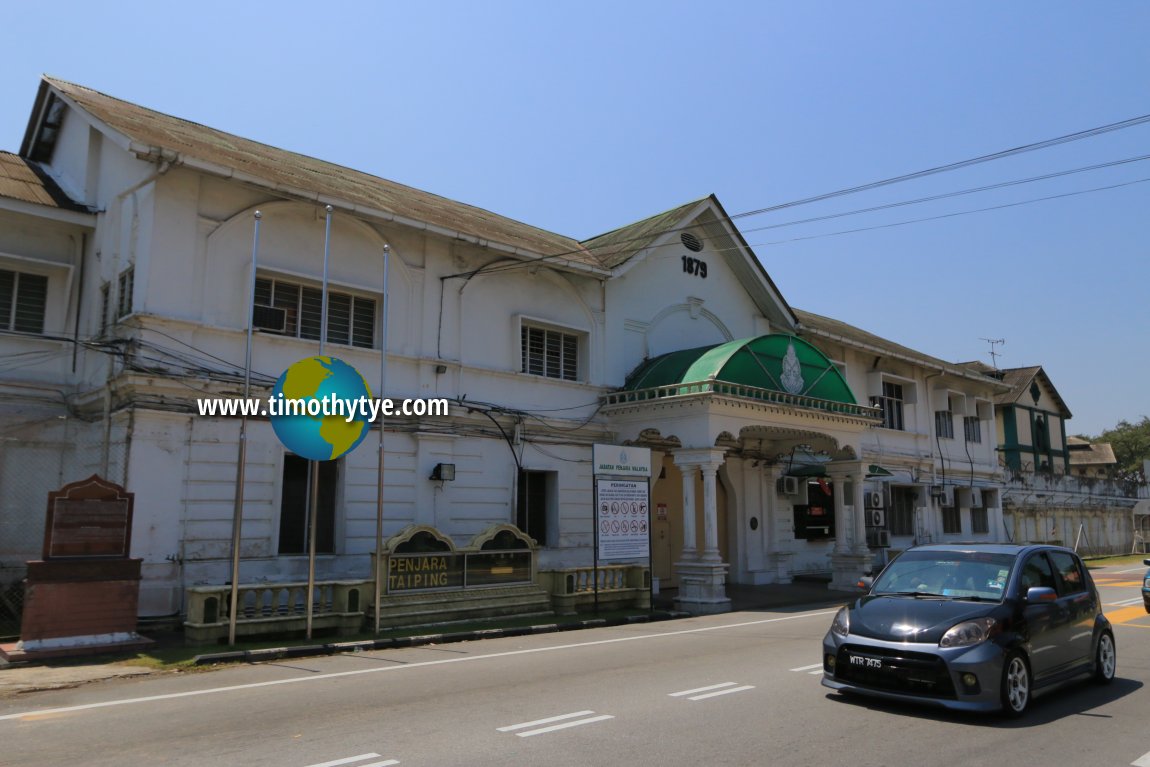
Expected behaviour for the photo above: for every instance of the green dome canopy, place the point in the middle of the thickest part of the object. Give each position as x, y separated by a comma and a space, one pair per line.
779, 363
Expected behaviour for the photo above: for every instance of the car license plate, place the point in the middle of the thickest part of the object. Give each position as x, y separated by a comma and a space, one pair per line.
861, 661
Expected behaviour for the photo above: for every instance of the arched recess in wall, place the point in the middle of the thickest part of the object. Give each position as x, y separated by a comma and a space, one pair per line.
291, 248
493, 307
683, 326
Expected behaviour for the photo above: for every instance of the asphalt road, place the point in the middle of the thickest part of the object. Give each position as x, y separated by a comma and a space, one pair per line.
735, 689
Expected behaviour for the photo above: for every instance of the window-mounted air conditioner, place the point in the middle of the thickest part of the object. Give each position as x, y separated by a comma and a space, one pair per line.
874, 499
875, 518
946, 497
269, 318
788, 486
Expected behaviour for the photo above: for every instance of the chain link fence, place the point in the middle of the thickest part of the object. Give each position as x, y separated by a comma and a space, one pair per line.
38, 456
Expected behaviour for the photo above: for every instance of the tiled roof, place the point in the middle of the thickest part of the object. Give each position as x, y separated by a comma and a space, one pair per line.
825, 326
23, 180
284, 169
1083, 453
618, 245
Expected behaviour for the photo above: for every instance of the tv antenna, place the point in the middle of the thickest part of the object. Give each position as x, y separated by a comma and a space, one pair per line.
994, 355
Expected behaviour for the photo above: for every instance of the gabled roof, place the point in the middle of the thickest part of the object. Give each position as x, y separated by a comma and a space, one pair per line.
708, 221
288, 172
618, 245
837, 330
23, 180
1020, 379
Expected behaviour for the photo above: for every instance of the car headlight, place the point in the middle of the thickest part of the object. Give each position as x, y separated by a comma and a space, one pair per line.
1146, 584
968, 633
841, 626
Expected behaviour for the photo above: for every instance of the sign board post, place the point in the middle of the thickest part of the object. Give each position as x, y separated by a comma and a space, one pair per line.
622, 518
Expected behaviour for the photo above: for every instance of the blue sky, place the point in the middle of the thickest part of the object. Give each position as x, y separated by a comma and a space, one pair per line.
580, 117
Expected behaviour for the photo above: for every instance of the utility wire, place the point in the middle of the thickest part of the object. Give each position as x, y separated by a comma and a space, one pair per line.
1057, 141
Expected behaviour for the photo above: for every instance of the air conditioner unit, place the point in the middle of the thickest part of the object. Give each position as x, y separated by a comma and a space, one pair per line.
946, 498
878, 539
875, 518
788, 486
269, 318
874, 500
976, 498
936, 490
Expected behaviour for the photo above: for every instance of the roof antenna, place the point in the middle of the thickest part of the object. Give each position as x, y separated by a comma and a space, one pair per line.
993, 354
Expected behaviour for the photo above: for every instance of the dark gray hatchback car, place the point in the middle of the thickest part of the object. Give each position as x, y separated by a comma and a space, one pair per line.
973, 627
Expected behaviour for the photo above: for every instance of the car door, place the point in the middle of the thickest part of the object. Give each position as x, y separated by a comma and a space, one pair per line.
1077, 606
1043, 620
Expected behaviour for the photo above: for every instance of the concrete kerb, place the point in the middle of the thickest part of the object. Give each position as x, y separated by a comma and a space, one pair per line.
334, 648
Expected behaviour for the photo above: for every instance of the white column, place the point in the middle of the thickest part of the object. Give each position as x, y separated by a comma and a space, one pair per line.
710, 514
860, 512
841, 522
690, 547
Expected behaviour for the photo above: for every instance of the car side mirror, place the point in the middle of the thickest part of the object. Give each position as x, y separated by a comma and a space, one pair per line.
1146, 562
1036, 594
865, 582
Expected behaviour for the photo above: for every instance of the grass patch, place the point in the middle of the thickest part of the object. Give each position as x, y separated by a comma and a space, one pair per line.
1121, 559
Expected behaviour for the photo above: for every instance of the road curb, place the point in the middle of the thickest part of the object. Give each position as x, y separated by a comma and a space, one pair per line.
446, 637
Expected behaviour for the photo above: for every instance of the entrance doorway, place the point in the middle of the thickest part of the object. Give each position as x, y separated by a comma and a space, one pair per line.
667, 520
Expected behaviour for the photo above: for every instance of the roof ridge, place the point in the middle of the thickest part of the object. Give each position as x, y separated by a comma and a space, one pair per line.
326, 167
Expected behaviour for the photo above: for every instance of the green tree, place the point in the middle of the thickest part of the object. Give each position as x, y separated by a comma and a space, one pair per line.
1131, 444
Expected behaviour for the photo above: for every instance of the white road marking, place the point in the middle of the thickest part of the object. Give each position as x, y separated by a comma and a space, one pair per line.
565, 725
548, 720
384, 763
386, 669
808, 668
350, 759
1126, 602
1142, 761
700, 689
816, 672
1135, 570
722, 692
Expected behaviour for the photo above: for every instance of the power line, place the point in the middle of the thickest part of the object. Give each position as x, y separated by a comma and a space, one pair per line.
1057, 141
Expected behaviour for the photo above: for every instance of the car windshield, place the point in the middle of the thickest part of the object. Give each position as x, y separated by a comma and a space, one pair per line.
977, 575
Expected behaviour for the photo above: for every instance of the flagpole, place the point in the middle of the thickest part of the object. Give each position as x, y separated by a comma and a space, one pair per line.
314, 495
379, 575
241, 458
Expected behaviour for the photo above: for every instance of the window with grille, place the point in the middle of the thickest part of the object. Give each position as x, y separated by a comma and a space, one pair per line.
979, 520
944, 423
951, 519
891, 403
294, 498
972, 428
297, 310
23, 301
550, 353
127, 285
900, 515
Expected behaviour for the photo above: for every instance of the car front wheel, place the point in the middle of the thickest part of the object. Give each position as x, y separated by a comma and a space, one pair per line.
1105, 659
1015, 685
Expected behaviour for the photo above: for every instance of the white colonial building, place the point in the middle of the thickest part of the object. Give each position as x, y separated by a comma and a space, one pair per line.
784, 442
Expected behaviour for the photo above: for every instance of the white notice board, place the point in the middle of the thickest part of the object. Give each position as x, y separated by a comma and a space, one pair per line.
623, 519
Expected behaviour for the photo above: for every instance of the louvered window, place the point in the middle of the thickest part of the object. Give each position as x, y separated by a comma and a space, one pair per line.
297, 310
127, 285
23, 301
550, 353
